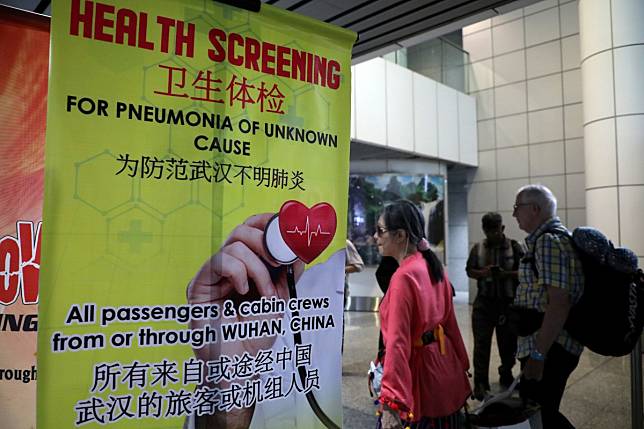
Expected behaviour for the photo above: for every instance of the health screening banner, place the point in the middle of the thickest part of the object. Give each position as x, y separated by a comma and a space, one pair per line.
24, 55
195, 197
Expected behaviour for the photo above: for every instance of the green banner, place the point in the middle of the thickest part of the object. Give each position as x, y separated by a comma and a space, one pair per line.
196, 181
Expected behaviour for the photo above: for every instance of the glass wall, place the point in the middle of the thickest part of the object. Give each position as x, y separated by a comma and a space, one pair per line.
442, 59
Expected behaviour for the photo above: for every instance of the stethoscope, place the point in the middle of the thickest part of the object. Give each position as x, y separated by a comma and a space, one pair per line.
277, 248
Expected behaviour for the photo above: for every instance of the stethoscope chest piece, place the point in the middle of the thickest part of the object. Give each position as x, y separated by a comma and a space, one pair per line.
275, 244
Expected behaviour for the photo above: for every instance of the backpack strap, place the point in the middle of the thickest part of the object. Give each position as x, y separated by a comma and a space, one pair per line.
530, 258
509, 250
517, 250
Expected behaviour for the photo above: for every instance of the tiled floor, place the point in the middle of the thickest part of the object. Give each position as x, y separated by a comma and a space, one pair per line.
597, 396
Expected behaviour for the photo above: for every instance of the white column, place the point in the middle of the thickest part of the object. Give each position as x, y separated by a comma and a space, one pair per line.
612, 70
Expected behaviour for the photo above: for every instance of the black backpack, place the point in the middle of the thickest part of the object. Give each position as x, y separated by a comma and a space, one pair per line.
609, 316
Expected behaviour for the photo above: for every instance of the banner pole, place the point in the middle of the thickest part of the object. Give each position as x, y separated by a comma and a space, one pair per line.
636, 387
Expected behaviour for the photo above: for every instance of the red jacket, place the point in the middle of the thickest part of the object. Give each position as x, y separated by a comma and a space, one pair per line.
419, 378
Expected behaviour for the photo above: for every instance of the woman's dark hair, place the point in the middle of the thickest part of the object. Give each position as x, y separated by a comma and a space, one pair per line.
403, 214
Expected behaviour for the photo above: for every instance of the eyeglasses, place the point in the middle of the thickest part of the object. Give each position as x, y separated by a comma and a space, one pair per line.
516, 206
380, 230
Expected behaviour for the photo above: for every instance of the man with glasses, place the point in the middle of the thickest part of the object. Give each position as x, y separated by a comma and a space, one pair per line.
493, 262
550, 282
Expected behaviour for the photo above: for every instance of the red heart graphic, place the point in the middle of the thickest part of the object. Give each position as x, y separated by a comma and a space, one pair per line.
307, 231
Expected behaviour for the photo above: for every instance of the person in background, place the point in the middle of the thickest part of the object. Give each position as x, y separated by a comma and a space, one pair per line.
493, 263
425, 364
353, 264
551, 280
386, 269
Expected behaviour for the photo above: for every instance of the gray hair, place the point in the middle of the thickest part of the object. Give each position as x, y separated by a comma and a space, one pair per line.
541, 196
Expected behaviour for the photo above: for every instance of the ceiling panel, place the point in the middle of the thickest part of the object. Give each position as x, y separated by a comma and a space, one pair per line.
386, 25
323, 10
378, 11
429, 18
382, 25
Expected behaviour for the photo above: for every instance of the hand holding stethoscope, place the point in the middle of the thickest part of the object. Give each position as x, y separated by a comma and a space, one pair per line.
242, 269
259, 260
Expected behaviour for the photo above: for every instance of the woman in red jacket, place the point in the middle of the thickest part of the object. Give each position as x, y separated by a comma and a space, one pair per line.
424, 379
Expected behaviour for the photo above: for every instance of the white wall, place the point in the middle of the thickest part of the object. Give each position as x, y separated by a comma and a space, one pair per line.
612, 58
526, 80
395, 107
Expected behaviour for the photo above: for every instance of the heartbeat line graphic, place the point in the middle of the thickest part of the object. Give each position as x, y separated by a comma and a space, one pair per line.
310, 234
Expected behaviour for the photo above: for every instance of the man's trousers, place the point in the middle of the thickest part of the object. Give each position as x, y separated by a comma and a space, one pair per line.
489, 314
548, 392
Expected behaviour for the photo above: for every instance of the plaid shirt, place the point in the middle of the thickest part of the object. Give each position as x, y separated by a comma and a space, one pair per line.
506, 255
557, 266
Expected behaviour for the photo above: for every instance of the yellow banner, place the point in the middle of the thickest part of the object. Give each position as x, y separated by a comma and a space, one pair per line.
195, 202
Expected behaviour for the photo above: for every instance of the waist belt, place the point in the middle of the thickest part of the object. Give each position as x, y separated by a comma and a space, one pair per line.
428, 337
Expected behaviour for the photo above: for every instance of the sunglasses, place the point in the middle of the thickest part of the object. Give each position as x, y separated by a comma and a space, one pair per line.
380, 230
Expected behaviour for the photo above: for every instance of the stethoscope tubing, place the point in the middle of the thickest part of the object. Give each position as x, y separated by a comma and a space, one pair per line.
297, 339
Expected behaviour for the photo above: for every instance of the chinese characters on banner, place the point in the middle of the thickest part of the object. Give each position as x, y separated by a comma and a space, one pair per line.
197, 165
236, 92
155, 383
